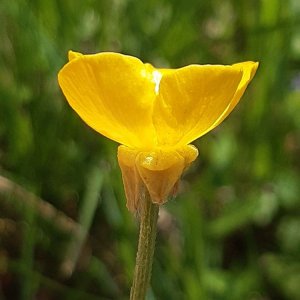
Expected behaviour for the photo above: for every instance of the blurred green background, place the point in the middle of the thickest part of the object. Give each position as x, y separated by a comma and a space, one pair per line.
234, 230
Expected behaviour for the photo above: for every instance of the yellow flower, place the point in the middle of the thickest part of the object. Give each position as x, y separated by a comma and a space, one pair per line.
153, 113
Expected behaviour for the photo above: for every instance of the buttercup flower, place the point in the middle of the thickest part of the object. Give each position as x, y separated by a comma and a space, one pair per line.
153, 113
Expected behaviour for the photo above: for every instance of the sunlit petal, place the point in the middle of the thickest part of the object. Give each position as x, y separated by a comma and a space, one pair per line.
249, 69
73, 55
191, 100
113, 94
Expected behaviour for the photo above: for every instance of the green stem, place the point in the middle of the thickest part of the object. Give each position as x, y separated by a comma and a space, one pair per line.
144, 258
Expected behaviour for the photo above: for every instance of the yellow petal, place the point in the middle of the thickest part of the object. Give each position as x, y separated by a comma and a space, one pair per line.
249, 69
191, 100
73, 55
113, 94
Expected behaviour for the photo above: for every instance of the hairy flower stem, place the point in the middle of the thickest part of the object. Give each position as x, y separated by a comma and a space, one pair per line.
144, 258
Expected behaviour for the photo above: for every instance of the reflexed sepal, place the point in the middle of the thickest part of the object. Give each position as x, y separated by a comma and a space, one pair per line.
158, 170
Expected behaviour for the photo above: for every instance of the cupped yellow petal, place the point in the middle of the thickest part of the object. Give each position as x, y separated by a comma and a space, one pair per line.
113, 94
191, 100
73, 55
249, 69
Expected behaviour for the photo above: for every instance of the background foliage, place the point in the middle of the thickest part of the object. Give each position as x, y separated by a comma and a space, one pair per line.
232, 233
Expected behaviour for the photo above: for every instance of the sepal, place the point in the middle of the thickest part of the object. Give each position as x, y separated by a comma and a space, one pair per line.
158, 170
